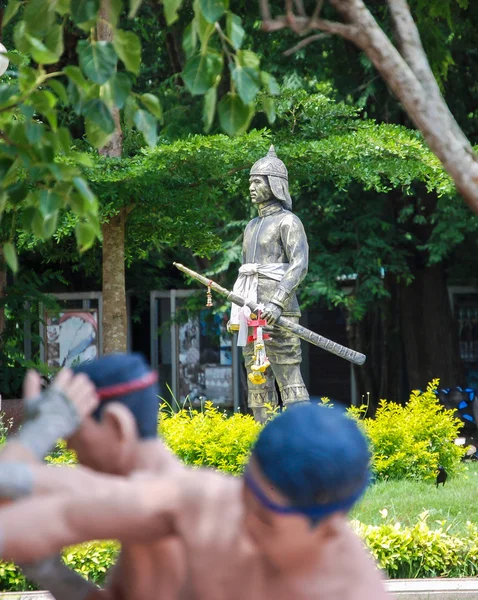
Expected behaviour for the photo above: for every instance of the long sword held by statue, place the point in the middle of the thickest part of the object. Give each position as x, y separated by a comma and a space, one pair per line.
309, 336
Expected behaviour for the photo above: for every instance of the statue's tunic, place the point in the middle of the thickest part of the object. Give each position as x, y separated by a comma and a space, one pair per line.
278, 236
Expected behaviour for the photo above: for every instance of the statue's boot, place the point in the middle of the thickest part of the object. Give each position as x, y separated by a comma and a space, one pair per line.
260, 414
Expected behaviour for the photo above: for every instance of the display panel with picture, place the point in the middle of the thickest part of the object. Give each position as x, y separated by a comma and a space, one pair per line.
71, 337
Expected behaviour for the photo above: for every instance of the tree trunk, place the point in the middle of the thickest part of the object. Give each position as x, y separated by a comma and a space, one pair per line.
429, 330
114, 285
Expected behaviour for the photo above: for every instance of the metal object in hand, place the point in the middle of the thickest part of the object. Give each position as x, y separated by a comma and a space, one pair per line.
352, 356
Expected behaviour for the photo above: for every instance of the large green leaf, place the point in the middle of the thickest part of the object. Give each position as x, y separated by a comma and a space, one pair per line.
37, 222
153, 104
63, 7
49, 225
247, 58
209, 110
95, 134
90, 201
10, 255
269, 109
10, 11
235, 31
19, 37
3, 202
84, 10
97, 60
43, 101
130, 108
41, 54
134, 7
54, 40
201, 71
74, 74
59, 90
34, 131
247, 83
212, 9
146, 123
50, 202
116, 8
203, 28
85, 235
118, 89
190, 39
39, 16
270, 83
5, 164
7, 91
97, 112
171, 8
17, 192
128, 48
234, 115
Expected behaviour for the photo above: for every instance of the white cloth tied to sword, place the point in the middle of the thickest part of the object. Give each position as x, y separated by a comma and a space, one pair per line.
246, 286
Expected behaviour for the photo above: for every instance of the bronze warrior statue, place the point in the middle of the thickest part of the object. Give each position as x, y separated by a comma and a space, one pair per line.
275, 259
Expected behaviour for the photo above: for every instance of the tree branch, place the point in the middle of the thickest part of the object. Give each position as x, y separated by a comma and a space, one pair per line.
299, 5
318, 9
349, 32
402, 73
305, 42
265, 10
411, 48
410, 44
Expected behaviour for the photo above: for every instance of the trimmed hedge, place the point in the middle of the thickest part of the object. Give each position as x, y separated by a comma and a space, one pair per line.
403, 552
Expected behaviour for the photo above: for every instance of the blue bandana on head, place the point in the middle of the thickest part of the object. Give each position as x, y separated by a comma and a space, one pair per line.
316, 456
129, 380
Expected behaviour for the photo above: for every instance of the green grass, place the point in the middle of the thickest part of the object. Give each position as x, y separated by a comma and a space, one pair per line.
405, 500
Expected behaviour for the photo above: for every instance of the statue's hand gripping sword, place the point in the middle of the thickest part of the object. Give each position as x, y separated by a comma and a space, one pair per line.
309, 336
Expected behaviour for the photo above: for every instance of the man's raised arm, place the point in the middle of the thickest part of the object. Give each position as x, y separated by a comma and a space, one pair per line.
129, 510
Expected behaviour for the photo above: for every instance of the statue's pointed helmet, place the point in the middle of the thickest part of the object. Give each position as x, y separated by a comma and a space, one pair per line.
276, 172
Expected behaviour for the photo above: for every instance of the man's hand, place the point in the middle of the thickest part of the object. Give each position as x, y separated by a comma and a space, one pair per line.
79, 390
59, 412
271, 313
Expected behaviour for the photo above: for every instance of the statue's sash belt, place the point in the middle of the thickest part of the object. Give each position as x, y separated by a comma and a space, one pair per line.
246, 286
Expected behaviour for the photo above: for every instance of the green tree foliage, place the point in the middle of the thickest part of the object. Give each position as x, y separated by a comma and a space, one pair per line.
41, 171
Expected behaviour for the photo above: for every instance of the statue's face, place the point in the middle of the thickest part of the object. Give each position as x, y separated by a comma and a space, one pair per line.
259, 189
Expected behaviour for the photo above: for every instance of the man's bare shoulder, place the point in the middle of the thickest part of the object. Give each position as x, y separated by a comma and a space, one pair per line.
195, 487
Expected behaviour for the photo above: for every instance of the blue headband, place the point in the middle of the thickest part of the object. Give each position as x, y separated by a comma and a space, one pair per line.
316, 511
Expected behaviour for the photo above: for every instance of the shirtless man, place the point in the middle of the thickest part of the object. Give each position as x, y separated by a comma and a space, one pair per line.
118, 438
278, 533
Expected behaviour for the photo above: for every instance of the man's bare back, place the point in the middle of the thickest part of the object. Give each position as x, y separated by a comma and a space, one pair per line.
226, 563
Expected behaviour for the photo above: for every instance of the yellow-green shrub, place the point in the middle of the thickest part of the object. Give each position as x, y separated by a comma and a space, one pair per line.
209, 438
411, 441
61, 455
419, 551
92, 560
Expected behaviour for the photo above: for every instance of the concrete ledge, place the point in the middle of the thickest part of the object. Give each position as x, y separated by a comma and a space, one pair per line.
26, 596
434, 589
401, 589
